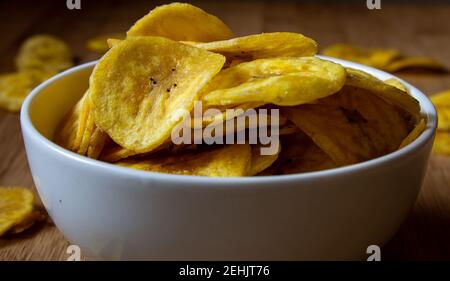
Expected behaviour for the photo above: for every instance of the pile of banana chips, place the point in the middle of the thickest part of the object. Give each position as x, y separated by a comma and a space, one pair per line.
39, 58
179, 60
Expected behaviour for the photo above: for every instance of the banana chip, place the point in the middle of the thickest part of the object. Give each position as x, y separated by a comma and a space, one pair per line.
351, 126
299, 154
100, 43
16, 204
442, 103
397, 84
441, 99
96, 143
227, 161
45, 53
261, 162
415, 63
70, 132
181, 22
442, 140
441, 144
14, 87
386, 59
281, 81
415, 133
140, 91
78, 131
141, 110
378, 58
391, 94
27, 222
259, 46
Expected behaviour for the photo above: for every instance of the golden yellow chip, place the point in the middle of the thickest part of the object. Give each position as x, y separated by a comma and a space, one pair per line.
231, 160
16, 203
378, 58
112, 42
443, 114
391, 94
261, 162
442, 143
441, 99
96, 143
14, 87
312, 159
396, 83
71, 130
281, 81
88, 132
264, 45
442, 103
29, 221
100, 43
299, 154
44, 53
416, 63
113, 153
415, 133
181, 22
351, 126
140, 91
385, 59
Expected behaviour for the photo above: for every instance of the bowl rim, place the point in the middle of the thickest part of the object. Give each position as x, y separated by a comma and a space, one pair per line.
427, 109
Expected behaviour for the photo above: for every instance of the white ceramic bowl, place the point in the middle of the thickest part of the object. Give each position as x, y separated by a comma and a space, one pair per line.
118, 213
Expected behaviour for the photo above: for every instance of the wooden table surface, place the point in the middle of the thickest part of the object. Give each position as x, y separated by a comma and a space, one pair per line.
419, 29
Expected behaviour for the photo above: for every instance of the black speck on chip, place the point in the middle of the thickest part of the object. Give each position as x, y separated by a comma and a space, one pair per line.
168, 90
173, 69
175, 84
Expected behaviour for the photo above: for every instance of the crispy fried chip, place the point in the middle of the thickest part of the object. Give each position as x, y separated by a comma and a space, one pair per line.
16, 203
96, 143
113, 153
351, 126
442, 103
78, 131
140, 90
70, 132
100, 44
181, 22
385, 59
14, 87
376, 57
442, 143
415, 133
34, 217
441, 99
112, 42
391, 94
281, 81
261, 162
299, 154
227, 161
415, 63
44, 53
396, 83
264, 45
88, 131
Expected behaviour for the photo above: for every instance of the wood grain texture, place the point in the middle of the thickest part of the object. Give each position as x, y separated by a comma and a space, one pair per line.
415, 29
